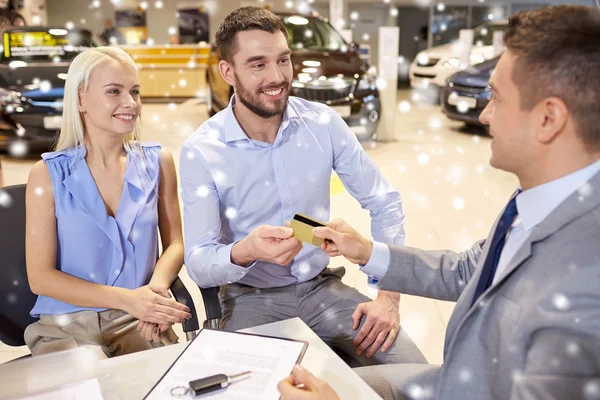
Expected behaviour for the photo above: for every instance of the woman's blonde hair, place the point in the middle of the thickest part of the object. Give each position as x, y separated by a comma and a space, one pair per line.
72, 130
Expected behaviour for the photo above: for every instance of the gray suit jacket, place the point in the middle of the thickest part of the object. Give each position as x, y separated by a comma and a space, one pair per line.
535, 333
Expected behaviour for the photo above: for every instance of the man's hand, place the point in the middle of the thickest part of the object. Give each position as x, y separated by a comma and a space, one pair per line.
381, 325
314, 389
273, 244
343, 240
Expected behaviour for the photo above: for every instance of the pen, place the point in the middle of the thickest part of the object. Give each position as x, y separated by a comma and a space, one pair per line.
214, 382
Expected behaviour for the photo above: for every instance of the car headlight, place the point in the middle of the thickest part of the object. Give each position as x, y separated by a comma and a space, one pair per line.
368, 82
452, 63
10, 97
476, 59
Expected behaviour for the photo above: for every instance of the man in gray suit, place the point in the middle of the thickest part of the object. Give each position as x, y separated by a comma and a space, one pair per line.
527, 319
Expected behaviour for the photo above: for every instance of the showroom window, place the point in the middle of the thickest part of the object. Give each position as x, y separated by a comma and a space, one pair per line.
447, 24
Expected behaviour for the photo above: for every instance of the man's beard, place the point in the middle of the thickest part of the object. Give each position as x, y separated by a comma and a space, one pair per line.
258, 107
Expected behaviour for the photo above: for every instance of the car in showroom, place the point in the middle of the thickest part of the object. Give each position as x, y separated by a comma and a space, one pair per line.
326, 70
467, 93
435, 65
33, 69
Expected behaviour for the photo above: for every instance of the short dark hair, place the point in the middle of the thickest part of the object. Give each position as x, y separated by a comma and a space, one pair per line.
558, 54
245, 19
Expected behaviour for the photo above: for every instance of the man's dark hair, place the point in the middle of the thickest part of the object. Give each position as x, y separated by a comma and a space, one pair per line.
245, 19
558, 54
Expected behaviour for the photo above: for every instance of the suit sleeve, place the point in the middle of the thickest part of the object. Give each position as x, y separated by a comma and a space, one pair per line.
440, 275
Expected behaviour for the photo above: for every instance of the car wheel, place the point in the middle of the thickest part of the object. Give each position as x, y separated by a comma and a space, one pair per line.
209, 99
18, 20
5, 23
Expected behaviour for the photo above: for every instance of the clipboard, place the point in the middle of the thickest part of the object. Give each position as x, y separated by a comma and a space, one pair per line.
270, 359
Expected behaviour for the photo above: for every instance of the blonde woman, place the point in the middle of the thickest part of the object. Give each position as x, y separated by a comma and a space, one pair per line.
93, 209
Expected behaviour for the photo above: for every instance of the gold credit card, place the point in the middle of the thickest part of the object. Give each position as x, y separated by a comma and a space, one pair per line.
303, 226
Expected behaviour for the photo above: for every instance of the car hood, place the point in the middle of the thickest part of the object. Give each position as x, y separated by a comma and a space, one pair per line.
21, 80
476, 76
328, 63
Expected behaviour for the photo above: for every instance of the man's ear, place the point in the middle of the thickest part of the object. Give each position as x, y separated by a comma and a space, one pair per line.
553, 119
227, 72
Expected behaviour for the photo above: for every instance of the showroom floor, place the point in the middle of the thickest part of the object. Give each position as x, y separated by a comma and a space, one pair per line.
450, 194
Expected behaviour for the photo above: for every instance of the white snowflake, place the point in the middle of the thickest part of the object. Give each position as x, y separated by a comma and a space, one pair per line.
435, 123
172, 30
404, 106
591, 390
586, 190
465, 375
324, 118
423, 158
479, 169
63, 320
202, 191
39, 191
172, 106
12, 298
231, 213
458, 203
190, 155
182, 83
159, 4
45, 86
5, 199
155, 117
70, 25
402, 168
15, 283
381, 83
219, 177
476, 139
573, 349
18, 148
560, 301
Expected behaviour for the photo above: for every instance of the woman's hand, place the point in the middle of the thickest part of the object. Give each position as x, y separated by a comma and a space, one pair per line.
146, 305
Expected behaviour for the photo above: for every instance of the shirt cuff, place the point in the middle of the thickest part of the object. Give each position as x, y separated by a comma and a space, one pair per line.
379, 261
234, 272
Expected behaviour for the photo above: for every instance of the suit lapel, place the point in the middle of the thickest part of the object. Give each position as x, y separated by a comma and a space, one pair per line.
572, 208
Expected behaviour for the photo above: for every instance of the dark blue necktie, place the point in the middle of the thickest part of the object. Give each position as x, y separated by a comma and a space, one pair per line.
493, 256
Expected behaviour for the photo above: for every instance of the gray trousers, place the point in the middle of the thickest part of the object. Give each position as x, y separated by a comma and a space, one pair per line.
402, 381
324, 303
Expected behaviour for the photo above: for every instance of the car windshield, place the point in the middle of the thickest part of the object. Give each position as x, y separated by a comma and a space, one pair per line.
312, 34
53, 45
483, 35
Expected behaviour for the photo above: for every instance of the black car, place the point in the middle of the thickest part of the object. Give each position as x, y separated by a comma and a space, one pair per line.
326, 69
33, 70
466, 93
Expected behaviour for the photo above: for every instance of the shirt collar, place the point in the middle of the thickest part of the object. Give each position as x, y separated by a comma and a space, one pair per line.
233, 130
535, 204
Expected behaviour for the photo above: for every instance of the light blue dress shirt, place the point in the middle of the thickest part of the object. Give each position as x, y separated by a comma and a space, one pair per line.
92, 245
231, 184
533, 206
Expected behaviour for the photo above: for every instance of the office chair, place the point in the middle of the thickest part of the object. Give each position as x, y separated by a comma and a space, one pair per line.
212, 306
16, 298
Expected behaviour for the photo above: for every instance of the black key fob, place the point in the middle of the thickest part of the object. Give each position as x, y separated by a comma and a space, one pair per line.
209, 384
